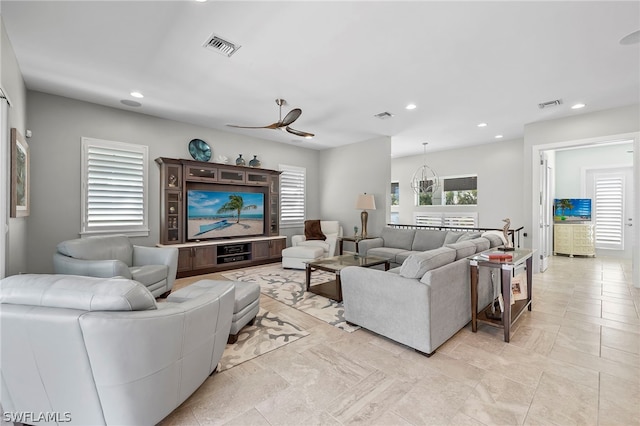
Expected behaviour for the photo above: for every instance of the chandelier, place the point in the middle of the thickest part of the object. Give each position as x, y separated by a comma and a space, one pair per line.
425, 179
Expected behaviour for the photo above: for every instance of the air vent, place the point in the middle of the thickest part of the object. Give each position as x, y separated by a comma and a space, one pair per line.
222, 46
383, 115
550, 104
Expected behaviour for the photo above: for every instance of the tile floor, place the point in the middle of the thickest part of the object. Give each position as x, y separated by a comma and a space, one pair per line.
573, 360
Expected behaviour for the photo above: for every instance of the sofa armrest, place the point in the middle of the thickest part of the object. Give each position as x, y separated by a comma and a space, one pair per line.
158, 256
450, 305
365, 245
297, 239
90, 268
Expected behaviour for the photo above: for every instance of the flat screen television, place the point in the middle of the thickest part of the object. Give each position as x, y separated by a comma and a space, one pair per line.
571, 209
224, 214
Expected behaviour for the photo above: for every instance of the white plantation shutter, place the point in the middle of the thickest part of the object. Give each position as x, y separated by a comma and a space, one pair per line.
453, 219
292, 196
609, 210
114, 197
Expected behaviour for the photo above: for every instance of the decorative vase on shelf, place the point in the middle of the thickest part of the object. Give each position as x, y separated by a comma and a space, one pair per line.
240, 161
255, 162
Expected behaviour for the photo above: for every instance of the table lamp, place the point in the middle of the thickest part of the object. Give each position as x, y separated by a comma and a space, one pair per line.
365, 202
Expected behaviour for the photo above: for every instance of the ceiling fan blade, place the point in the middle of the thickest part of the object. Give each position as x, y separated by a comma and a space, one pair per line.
300, 133
270, 126
291, 117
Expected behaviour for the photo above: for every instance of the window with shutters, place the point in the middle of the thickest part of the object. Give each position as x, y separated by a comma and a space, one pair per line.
453, 219
609, 210
292, 196
453, 191
114, 183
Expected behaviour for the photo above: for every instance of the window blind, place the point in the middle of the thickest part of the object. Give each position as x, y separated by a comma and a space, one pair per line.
609, 210
114, 187
292, 196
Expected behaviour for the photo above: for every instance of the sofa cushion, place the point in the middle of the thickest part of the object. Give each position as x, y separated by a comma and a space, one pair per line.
387, 252
428, 239
463, 249
398, 238
466, 236
112, 247
76, 292
452, 237
481, 243
418, 264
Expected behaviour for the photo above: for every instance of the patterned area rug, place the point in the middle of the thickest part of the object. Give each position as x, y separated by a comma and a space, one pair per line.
288, 286
266, 334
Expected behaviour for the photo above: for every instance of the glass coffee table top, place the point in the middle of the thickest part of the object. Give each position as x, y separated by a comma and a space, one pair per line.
339, 262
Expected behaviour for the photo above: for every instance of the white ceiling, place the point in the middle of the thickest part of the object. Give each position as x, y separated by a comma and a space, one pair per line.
461, 63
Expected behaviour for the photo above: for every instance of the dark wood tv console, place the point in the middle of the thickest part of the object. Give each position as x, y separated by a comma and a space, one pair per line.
200, 257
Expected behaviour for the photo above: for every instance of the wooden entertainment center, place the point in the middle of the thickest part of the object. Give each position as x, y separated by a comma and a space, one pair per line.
201, 257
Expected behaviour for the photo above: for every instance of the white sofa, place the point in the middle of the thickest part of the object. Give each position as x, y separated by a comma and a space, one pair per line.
103, 350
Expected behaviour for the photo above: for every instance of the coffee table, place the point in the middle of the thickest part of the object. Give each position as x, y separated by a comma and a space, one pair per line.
333, 288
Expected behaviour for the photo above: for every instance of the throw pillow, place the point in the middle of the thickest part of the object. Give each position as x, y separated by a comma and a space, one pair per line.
313, 231
416, 265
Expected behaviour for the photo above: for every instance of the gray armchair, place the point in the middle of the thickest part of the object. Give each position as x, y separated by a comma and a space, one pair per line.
101, 351
115, 256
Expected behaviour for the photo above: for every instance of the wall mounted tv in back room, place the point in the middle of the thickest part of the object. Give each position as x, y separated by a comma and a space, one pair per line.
571, 210
213, 213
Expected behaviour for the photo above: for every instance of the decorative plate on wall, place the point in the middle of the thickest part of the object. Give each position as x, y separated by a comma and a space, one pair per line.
199, 150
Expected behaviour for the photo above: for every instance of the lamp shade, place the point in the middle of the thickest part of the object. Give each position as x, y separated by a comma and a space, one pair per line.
365, 202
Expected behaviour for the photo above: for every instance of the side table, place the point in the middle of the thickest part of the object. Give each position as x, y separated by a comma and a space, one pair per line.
354, 239
511, 312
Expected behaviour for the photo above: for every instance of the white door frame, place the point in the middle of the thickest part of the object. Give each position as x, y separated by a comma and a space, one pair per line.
535, 193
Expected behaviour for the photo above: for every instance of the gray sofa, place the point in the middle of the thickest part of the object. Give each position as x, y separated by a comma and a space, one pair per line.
398, 244
115, 256
426, 300
102, 351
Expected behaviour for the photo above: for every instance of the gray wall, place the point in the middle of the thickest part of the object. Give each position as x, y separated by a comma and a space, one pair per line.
351, 170
59, 123
498, 166
14, 249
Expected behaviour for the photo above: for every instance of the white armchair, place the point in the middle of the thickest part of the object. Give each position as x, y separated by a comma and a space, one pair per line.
331, 229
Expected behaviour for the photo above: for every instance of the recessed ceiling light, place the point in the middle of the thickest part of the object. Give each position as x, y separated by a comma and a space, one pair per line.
411, 106
482, 125
201, 1
308, 137
578, 106
136, 94
499, 136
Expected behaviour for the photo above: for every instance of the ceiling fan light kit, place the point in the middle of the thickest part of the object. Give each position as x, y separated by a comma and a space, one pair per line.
282, 124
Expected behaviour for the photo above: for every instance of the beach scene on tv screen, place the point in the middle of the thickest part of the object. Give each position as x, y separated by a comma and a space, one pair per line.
572, 209
220, 214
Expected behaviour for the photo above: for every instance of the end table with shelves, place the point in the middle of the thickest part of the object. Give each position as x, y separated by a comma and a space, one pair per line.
353, 239
511, 312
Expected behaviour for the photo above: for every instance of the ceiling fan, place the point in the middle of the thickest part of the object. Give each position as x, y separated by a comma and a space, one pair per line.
282, 123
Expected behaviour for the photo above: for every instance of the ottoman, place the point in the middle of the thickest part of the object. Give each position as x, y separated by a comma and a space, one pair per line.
294, 257
245, 308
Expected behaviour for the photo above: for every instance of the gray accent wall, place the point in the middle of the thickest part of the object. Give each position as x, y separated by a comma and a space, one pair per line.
498, 167
59, 123
350, 170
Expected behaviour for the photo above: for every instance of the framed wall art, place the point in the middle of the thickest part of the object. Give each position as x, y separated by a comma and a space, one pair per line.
20, 175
